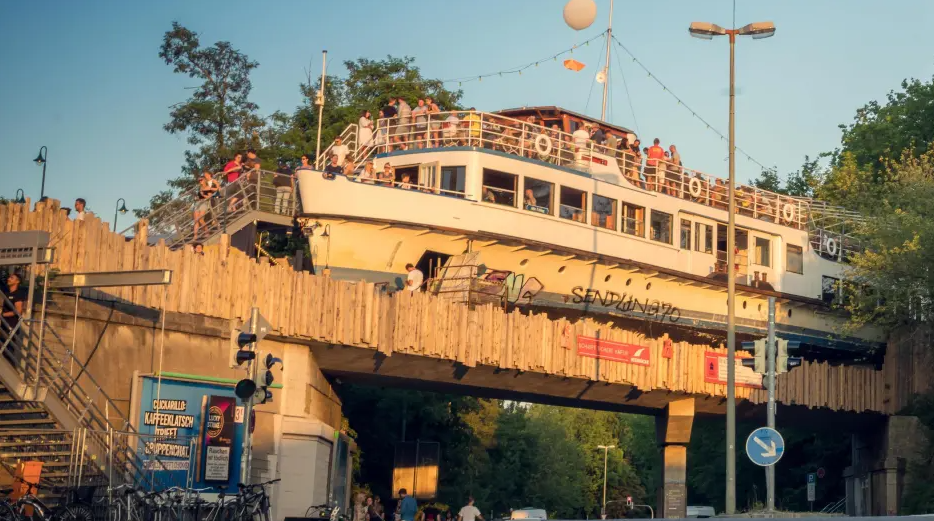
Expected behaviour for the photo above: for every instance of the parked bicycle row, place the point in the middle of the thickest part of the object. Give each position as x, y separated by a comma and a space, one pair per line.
128, 503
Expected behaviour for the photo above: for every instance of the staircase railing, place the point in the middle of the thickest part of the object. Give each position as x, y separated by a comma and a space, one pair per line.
834, 507
348, 138
45, 364
188, 219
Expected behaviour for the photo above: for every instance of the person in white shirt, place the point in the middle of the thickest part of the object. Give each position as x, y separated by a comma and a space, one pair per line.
581, 136
79, 209
340, 150
469, 512
413, 282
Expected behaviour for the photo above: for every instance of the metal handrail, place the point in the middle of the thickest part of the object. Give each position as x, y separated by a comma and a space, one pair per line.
56, 378
523, 138
253, 190
348, 138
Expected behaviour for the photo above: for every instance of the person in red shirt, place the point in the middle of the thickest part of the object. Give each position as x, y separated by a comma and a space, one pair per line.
232, 171
233, 168
655, 154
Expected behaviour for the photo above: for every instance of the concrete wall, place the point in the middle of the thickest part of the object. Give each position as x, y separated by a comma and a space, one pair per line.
113, 341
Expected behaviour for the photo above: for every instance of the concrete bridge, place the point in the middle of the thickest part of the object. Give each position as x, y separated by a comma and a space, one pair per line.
325, 328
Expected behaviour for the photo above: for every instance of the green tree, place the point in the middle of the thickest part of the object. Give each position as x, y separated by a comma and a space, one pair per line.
769, 180
881, 132
218, 117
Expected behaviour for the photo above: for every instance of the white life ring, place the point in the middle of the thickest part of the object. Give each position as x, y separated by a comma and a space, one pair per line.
831, 246
788, 212
543, 145
695, 186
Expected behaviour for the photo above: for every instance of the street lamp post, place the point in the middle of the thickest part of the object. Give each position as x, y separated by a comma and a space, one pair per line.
606, 452
707, 31
120, 208
42, 159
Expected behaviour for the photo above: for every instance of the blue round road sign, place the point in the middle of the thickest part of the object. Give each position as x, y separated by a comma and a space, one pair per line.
765, 446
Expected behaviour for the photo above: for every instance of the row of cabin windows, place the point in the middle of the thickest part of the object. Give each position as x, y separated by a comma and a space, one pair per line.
539, 196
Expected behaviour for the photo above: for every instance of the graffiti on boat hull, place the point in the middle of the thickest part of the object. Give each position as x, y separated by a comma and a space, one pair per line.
651, 308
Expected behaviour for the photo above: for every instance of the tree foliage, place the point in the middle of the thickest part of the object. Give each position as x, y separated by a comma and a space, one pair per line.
507, 454
882, 132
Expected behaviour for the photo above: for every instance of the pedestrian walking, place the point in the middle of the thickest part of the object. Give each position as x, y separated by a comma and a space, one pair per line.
469, 512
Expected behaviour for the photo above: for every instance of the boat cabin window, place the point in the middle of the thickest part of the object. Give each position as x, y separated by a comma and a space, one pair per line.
633, 220
538, 196
604, 212
499, 187
763, 255
703, 238
410, 171
794, 259
573, 203
830, 289
685, 234
453, 179
660, 226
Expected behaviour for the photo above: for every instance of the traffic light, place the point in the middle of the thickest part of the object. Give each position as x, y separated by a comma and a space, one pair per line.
757, 362
264, 379
629, 501
245, 355
245, 340
783, 362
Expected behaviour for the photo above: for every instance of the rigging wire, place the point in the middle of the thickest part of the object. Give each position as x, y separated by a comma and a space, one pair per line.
682, 103
635, 121
594, 82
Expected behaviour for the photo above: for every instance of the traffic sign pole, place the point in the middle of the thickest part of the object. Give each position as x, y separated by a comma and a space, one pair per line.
248, 408
770, 408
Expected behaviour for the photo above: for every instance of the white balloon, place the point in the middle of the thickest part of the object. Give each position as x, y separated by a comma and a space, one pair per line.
580, 14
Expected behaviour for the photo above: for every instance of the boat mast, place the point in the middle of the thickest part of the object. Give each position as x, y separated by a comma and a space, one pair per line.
319, 100
606, 69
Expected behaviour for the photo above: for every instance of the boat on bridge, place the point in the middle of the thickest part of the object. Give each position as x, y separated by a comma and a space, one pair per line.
560, 221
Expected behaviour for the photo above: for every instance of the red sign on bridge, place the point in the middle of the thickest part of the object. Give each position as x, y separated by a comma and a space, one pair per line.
612, 351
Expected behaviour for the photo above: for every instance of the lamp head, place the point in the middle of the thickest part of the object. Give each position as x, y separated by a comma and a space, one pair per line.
20, 196
758, 30
39, 158
122, 208
705, 30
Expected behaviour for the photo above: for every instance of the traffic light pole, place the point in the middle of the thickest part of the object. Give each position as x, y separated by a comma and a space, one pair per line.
248, 409
771, 348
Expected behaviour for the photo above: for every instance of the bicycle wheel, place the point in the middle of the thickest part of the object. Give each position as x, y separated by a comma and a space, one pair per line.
7, 512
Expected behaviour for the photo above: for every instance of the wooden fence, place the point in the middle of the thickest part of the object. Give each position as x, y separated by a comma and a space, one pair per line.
225, 283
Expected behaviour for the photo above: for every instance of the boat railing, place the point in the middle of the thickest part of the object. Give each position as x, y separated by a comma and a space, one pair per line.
388, 180
551, 145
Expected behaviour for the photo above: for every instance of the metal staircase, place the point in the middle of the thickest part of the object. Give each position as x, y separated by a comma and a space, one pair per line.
252, 197
52, 410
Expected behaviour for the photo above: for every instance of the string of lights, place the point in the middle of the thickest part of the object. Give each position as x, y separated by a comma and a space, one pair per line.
518, 70
683, 104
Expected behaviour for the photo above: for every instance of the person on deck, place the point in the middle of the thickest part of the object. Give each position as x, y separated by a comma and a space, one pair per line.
654, 154
334, 168
340, 150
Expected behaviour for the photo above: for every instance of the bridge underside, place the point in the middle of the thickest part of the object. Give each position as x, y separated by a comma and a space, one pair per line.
345, 364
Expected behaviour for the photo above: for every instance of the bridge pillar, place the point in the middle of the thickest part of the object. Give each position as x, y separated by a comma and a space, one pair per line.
876, 477
673, 432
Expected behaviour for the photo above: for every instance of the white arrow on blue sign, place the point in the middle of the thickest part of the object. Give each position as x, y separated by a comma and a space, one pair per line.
765, 446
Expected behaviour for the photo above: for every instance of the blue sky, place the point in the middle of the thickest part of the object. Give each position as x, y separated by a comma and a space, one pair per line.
84, 78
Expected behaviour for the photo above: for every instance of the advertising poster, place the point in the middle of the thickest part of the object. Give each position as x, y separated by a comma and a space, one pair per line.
177, 430
716, 366
218, 437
